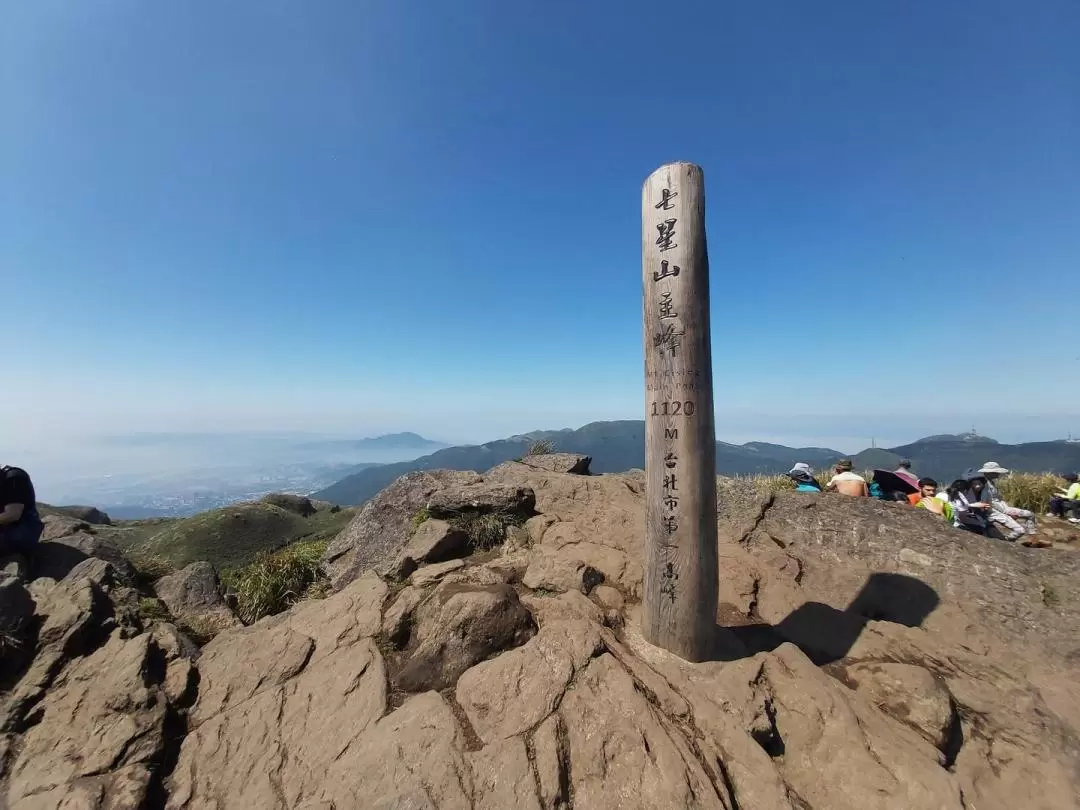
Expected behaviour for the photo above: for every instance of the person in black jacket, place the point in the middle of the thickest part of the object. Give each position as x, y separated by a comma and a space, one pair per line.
20, 524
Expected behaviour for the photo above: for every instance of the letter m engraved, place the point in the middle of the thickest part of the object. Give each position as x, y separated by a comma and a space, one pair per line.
671, 433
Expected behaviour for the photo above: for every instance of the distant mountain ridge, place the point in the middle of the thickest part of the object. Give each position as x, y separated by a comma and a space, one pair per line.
614, 447
620, 445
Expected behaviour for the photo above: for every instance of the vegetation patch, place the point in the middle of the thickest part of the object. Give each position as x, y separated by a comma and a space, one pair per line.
1030, 490
149, 567
541, 447
233, 536
421, 516
275, 581
485, 530
153, 611
1049, 596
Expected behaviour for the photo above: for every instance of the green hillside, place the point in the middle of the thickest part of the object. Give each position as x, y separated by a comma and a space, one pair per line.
234, 535
614, 447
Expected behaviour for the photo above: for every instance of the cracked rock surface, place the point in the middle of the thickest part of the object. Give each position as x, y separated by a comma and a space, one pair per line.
848, 674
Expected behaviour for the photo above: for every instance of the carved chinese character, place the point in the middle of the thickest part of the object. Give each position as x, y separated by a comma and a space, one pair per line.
667, 233
665, 272
667, 306
670, 524
670, 577
666, 196
670, 502
669, 482
668, 338
669, 461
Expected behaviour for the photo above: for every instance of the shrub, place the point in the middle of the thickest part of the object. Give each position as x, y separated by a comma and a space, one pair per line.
1030, 490
485, 530
421, 516
149, 567
276, 581
153, 611
541, 447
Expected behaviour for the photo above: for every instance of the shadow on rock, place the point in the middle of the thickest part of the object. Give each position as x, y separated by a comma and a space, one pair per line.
826, 634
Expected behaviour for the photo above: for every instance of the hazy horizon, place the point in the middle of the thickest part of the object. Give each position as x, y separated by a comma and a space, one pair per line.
140, 459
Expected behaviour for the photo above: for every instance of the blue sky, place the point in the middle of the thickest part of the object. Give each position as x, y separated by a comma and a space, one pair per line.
355, 217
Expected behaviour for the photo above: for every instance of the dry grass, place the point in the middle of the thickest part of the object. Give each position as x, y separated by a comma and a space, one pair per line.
149, 567
1030, 490
541, 447
276, 581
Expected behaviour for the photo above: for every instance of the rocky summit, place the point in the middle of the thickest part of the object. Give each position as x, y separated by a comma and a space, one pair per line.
481, 649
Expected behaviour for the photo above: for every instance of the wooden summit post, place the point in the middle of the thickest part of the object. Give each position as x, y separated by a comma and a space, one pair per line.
681, 576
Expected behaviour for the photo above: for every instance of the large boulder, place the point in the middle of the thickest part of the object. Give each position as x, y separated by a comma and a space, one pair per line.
559, 462
374, 538
56, 557
461, 625
85, 514
483, 498
433, 541
875, 560
194, 596
98, 732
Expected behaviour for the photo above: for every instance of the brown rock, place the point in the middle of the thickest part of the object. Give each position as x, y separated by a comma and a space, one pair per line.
503, 777
459, 626
430, 574
56, 526
911, 694
283, 704
375, 537
551, 571
100, 725
87, 514
56, 558
619, 746
572, 463
194, 595
451, 501
512, 693
433, 541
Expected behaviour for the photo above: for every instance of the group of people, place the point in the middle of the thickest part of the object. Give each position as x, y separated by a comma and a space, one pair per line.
972, 502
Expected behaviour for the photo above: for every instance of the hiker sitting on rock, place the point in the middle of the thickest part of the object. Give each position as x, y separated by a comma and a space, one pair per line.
847, 482
1005, 515
1066, 502
20, 524
970, 511
927, 499
803, 477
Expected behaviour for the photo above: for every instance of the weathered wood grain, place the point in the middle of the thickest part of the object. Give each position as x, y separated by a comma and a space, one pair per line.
681, 577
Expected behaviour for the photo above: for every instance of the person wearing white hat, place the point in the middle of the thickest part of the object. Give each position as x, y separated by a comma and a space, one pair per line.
803, 477
1004, 515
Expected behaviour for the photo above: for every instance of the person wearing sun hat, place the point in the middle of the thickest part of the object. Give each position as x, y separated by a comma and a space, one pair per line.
803, 477
1003, 514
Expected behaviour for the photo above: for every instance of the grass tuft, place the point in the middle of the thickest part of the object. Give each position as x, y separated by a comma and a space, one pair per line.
485, 530
421, 516
149, 567
153, 611
276, 581
541, 447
